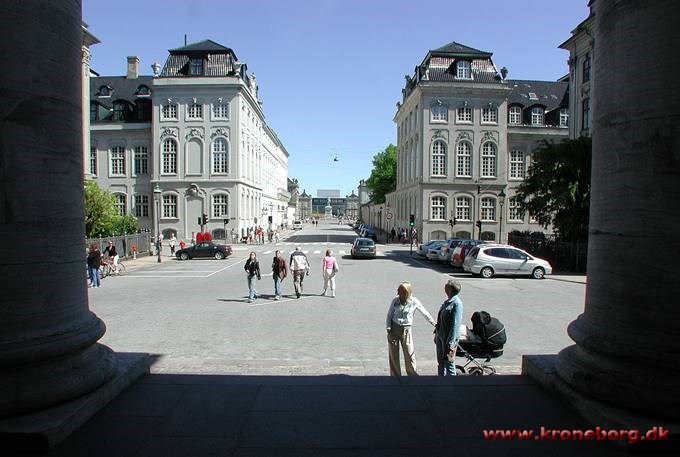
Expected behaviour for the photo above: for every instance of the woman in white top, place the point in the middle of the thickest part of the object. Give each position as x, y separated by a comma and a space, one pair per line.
330, 268
399, 322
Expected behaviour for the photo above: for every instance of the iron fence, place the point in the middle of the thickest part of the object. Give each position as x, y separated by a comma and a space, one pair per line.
126, 245
562, 255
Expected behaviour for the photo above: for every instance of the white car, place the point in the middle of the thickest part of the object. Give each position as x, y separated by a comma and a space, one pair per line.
297, 225
488, 260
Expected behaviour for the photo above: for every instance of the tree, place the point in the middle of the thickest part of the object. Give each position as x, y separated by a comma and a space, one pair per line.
100, 210
556, 190
125, 225
383, 177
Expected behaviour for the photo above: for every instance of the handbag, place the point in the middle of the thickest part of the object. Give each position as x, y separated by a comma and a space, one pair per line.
335, 266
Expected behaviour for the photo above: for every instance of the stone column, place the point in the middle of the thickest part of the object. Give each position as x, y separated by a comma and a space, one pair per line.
48, 337
627, 350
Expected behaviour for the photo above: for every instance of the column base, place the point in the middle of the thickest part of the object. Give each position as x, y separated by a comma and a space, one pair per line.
43, 429
542, 369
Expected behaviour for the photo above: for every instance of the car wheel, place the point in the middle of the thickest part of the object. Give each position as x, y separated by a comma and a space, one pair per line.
219, 255
486, 272
184, 256
538, 273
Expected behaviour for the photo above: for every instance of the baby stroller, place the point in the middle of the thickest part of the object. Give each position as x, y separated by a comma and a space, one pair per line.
484, 341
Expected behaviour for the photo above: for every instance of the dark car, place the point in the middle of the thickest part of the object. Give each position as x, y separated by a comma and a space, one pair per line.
363, 247
206, 249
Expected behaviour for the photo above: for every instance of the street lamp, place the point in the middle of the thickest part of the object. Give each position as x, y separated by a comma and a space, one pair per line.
157, 197
380, 221
501, 201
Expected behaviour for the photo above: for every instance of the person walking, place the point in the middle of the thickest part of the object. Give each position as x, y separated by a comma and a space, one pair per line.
393, 233
182, 244
279, 273
330, 269
399, 323
447, 330
300, 268
94, 259
172, 243
252, 268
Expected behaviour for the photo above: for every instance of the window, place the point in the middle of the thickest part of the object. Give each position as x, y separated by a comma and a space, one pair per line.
438, 208
440, 113
488, 160
93, 161
220, 156
515, 214
141, 160
170, 206
94, 111
586, 68
438, 158
464, 114
117, 160
120, 204
515, 115
537, 115
196, 67
464, 159
169, 157
585, 114
118, 111
195, 111
488, 207
143, 110
220, 205
141, 205
517, 164
564, 117
143, 91
221, 110
169, 111
490, 115
463, 70
104, 91
463, 208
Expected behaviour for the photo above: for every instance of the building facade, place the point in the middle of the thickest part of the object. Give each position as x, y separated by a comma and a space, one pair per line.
465, 136
187, 142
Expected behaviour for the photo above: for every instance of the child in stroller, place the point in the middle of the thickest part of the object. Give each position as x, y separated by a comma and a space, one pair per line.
484, 341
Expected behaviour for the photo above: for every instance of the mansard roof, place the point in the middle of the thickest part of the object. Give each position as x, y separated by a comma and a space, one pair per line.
218, 60
460, 50
550, 94
120, 88
205, 46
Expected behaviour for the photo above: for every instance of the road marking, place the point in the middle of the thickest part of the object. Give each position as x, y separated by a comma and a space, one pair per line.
305, 252
317, 252
342, 252
268, 252
228, 266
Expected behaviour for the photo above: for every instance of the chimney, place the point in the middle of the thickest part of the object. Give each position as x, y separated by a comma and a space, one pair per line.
132, 67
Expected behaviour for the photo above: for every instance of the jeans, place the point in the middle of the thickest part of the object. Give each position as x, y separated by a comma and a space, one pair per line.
444, 367
94, 276
298, 278
252, 293
277, 286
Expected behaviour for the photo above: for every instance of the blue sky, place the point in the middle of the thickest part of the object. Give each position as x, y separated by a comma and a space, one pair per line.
331, 71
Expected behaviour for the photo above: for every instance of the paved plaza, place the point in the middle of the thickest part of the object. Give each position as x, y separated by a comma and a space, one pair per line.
195, 318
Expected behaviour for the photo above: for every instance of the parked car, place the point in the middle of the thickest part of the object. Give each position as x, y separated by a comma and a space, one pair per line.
448, 248
433, 252
459, 252
297, 225
205, 249
488, 260
423, 248
363, 247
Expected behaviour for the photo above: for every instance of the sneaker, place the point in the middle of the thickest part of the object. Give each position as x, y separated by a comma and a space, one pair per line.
250, 300
278, 297
297, 295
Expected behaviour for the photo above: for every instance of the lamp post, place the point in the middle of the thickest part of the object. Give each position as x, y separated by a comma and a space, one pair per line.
157, 197
379, 221
387, 224
501, 201
479, 213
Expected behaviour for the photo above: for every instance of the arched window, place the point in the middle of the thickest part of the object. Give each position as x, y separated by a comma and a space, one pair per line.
464, 159
220, 205
463, 205
438, 208
438, 235
104, 91
438, 158
220, 156
488, 160
488, 207
121, 204
169, 157
143, 90
463, 70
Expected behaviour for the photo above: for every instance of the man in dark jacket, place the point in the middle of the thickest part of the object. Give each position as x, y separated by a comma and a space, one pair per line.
94, 260
279, 272
447, 330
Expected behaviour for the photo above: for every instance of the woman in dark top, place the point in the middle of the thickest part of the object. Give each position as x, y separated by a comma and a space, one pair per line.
279, 273
252, 268
94, 259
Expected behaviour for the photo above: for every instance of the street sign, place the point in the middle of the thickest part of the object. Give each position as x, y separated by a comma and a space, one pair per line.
388, 215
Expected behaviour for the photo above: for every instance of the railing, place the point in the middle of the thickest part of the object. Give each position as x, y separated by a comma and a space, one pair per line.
126, 245
562, 255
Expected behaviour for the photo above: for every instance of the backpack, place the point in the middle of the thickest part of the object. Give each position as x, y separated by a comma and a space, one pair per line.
489, 329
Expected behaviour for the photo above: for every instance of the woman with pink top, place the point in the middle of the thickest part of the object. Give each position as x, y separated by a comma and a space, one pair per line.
330, 268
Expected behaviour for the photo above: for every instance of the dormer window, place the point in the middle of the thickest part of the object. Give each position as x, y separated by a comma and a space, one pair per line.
463, 70
515, 115
537, 114
564, 117
143, 91
119, 111
104, 91
196, 67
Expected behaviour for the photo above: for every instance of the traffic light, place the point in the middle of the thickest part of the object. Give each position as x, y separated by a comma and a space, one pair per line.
204, 219
412, 220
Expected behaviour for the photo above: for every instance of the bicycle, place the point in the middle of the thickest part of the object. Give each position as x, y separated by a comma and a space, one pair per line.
107, 269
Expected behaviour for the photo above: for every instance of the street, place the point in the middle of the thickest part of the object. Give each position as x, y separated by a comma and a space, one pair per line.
195, 316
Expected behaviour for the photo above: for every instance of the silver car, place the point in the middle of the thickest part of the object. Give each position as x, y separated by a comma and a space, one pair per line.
424, 248
488, 260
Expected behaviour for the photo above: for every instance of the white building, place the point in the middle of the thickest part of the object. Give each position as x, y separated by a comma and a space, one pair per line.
189, 141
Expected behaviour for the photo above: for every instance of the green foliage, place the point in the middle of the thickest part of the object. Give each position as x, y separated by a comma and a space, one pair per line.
101, 217
383, 179
556, 190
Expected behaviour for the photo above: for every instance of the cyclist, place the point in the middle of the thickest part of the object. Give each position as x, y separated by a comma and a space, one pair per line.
110, 253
